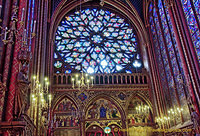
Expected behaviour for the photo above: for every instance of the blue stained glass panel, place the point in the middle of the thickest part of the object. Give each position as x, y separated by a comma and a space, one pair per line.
192, 22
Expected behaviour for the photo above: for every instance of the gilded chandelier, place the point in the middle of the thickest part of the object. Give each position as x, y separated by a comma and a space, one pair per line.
82, 81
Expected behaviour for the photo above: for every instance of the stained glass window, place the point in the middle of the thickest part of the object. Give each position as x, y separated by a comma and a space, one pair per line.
164, 58
174, 59
192, 22
95, 41
158, 54
167, 56
30, 18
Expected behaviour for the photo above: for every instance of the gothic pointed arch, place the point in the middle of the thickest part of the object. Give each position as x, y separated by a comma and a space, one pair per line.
132, 16
59, 98
140, 97
65, 115
109, 100
103, 111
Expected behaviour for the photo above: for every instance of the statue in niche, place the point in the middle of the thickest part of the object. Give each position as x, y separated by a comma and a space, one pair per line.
22, 100
102, 112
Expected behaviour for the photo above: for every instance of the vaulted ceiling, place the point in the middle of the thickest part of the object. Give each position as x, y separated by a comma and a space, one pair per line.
138, 4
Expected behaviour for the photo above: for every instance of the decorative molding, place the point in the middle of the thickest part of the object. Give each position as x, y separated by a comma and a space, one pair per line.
91, 95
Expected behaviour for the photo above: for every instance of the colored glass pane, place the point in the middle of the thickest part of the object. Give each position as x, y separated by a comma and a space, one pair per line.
95, 40
163, 53
175, 62
192, 22
157, 52
167, 55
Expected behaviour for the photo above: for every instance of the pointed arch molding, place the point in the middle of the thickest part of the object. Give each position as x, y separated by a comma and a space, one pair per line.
140, 96
109, 98
85, 106
59, 98
128, 10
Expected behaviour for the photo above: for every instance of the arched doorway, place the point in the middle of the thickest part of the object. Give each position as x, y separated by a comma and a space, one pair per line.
98, 131
94, 131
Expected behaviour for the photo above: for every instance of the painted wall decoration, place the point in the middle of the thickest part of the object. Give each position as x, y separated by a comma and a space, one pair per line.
136, 116
103, 109
65, 114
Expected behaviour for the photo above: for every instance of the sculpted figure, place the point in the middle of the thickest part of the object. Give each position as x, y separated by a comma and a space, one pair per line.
22, 93
196, 120
23, 76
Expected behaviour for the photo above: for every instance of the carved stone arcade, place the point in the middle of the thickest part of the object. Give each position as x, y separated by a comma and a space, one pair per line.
105, 104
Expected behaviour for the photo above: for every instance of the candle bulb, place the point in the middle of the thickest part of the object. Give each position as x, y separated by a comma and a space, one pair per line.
72, 82
47, 87
34, 26
92, 80
22, 17
0, 9
79, 84
76, 79
39, 87
88, 81
24, 35
5, 35
34, 81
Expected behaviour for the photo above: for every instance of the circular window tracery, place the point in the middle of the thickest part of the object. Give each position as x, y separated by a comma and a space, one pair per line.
95, 41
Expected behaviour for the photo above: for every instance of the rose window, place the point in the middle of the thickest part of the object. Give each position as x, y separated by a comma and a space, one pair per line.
95, 41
